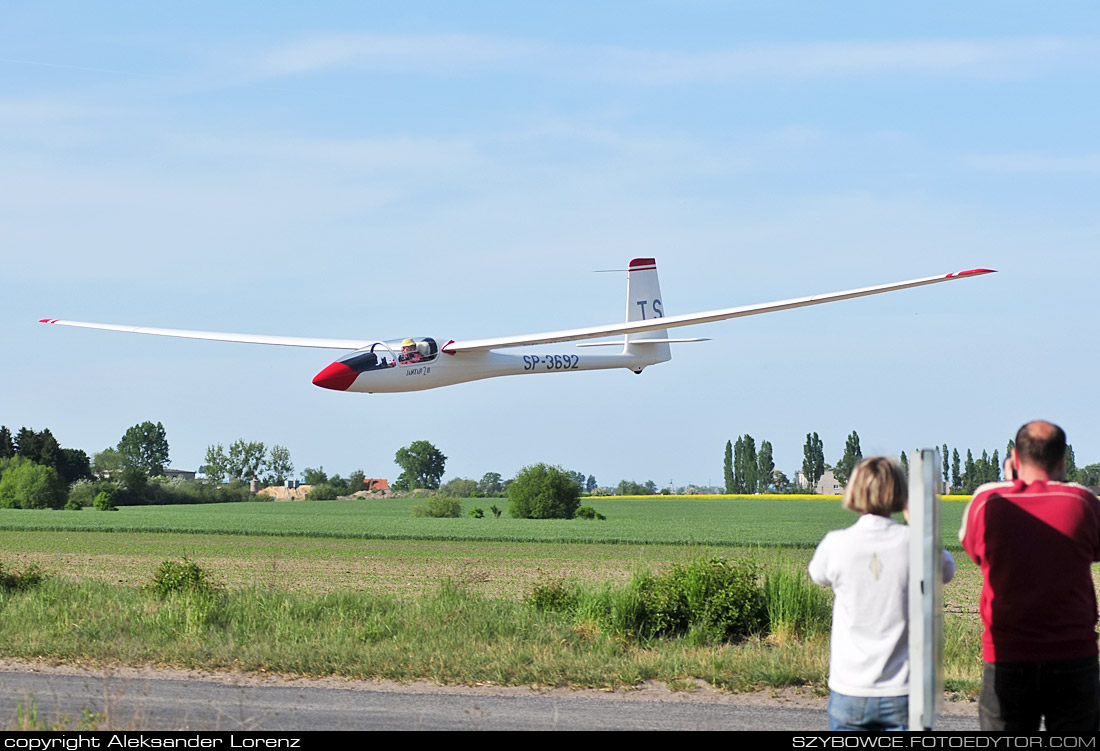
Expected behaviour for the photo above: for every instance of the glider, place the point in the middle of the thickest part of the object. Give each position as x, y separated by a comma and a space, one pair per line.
419, 363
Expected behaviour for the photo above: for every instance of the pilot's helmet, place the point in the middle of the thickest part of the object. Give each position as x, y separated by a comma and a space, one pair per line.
408, 343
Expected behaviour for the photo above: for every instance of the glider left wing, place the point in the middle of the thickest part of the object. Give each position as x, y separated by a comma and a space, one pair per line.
284, 341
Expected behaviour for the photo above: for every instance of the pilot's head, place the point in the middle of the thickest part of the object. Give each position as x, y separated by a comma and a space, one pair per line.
408, 345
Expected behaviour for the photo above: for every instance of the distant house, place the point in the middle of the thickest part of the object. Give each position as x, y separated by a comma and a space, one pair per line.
183, 474
827, 485
376, 483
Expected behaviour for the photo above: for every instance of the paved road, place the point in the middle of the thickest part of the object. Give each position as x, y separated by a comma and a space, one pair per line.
153, 703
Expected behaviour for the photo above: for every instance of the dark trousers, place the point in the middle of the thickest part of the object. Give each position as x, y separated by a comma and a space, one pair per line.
1066, 693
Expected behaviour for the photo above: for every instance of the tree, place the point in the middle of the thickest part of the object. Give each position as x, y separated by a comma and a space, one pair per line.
970, 475
312, 476
279, 466
217, 464
727, 467
956, 475
744, 465
246, 460
107, 463
1089, 475
490, 485
813, 459
73, 465
422, 466
459, 488
541, 491
944, 457
145, 447
853, 455
590, 485
1071, 464
7, 445
905, 463
26, 484
780, 481
765, 465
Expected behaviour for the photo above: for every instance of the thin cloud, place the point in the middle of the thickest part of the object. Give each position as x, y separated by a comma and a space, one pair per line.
439, 53
836, 59
447, 54
1031, 163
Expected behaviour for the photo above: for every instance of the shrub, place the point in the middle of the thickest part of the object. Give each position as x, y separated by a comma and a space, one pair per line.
25, 484
184, 576
105, 501
587, 512
439, 507
553, 597
495, 510
20, 581
541, 491
476, 512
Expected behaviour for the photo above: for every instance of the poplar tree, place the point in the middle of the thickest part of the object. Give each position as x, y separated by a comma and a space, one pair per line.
852, 456
765, 465
727, 467
813, 459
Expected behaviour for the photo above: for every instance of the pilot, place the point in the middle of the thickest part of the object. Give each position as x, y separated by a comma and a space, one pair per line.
408, 352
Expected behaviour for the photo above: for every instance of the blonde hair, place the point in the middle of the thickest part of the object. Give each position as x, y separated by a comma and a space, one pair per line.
877, 486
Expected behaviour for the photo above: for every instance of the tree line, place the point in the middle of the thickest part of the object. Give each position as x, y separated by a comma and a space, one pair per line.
747, 470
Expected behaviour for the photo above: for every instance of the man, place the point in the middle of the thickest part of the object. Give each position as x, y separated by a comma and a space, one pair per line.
1035, 538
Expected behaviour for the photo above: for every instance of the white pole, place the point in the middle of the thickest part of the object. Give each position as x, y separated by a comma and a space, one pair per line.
925, 592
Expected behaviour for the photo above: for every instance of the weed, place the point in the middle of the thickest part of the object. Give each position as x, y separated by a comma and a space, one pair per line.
20, 581
797, 608
439, 507
181, 576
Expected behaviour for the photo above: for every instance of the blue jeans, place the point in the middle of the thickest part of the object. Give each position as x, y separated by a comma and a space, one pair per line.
868, 712
1066, 693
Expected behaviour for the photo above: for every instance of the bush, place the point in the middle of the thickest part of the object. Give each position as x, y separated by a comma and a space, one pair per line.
184, 576
707, 601
105, 501
495, 510
587, 512
476, 512
554, 597
543, 492
20, 581
25, 484
439, 507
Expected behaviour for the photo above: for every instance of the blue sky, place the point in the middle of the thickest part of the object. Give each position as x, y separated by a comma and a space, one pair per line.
458, 170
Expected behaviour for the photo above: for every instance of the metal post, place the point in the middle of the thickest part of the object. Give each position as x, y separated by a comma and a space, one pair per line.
925, 592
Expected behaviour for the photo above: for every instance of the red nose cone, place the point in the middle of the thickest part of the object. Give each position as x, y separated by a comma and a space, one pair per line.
336, 376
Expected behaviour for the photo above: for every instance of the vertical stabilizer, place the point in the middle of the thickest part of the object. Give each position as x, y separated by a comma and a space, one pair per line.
644, 303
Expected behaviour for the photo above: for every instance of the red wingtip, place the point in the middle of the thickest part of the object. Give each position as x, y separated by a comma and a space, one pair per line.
640, 264
47, 320
971, 272
336, 376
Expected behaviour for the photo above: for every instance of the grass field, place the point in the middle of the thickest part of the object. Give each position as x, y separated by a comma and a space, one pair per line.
393, 575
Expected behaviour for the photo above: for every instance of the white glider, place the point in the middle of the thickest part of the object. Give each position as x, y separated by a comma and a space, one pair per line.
418, 363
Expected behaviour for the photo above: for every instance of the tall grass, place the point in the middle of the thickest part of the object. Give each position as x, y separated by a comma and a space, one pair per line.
797, 608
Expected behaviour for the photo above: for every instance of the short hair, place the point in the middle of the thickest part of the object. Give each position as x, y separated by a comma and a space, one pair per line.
877, 486
1041, 443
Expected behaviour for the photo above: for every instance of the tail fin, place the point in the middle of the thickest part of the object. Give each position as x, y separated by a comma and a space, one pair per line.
643, 303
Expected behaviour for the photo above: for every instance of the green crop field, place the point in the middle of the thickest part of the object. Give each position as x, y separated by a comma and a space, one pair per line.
740, 522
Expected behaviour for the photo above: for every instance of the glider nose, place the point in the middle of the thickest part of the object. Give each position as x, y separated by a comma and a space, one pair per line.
336, 376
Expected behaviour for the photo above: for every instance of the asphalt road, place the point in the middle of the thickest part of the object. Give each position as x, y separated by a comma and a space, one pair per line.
129, 702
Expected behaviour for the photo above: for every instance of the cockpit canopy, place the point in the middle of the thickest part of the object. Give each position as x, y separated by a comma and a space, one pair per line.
392, 353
